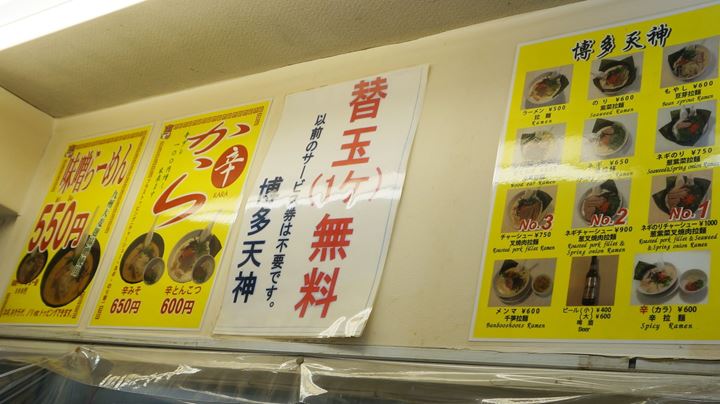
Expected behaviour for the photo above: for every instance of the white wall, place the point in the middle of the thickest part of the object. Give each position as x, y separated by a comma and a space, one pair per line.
24, 133
428, 289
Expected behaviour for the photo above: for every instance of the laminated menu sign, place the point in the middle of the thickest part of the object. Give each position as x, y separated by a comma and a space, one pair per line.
177, 233
603, 223
318, 221
60, 258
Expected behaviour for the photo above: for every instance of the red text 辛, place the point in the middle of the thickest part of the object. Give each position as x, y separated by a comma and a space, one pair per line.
224, 171
229, 166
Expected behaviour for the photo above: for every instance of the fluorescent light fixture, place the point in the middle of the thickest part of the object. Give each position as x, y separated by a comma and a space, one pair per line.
24, 20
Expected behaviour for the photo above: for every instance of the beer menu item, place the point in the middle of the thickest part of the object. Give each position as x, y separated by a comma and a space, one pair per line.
603, 222
592, 280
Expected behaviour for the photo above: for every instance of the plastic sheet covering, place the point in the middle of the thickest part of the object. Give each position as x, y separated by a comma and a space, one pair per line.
148, 375
101, 375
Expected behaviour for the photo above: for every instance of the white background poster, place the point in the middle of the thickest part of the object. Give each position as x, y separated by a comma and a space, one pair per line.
318, 221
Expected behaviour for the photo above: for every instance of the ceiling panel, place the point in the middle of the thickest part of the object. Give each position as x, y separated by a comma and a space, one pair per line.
162, 46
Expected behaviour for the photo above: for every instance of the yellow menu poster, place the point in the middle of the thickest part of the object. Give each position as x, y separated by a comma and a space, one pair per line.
177, 233
60, 259
603, 223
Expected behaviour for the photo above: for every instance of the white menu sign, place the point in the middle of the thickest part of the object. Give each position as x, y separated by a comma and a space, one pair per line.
317, 224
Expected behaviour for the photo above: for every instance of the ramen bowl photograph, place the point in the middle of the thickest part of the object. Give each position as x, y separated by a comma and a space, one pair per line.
613, 76
690, 62
526, 282
547, 87
609, 138
679, 277
528, 209
62, 282
539, 145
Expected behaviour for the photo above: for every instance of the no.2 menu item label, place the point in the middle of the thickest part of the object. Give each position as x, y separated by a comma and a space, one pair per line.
61, 256
177, 233
603, 224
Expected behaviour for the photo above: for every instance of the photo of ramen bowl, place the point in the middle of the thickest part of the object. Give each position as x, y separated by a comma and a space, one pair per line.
188, 251
537, 147
615, 75
546, 87
688, 196
58, 286
682, 191
512, 282
690, 62
528, 205
602, 200
136, 257
661, 278
608, 137
687, 125
30, 266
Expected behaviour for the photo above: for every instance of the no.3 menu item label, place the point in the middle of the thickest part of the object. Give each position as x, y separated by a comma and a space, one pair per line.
61, 256
603, 223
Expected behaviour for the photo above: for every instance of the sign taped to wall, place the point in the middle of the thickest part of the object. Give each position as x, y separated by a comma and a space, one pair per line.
176, 237
317, 224
58, 263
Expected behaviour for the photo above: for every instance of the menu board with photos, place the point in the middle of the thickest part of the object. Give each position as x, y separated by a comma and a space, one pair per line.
603, 223
61, 256
174, 241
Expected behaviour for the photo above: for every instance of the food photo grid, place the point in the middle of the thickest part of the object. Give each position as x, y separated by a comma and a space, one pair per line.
606, 174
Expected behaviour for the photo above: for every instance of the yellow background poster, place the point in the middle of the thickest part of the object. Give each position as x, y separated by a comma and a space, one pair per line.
603, 223
177, 233
58, 263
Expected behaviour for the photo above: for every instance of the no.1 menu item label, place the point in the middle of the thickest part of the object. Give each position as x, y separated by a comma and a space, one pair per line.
603, 223
177, 233
60, 259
